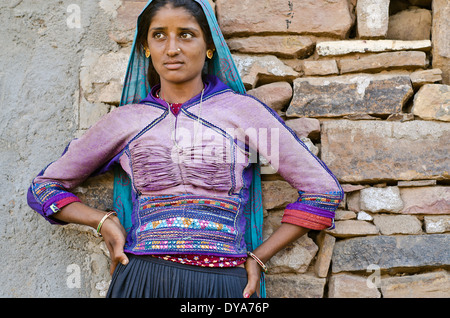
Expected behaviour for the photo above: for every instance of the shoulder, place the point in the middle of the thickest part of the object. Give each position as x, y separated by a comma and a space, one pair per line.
245, 103
133, 112
125, 118
239, 99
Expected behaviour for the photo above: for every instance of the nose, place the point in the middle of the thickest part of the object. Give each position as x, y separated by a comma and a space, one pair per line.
173, 47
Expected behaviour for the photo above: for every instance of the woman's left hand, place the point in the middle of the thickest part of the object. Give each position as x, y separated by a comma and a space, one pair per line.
253, 278
284, 235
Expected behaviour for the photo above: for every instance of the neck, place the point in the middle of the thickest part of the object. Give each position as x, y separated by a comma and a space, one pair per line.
180, 93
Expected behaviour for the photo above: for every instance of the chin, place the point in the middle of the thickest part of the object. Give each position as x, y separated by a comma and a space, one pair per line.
178, 79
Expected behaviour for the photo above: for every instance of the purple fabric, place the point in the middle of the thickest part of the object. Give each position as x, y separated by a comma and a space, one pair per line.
141, 142
310, 209
212, 85
35, 205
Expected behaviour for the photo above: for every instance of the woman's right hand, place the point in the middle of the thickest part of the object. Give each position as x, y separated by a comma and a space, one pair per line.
112, 231
114, 235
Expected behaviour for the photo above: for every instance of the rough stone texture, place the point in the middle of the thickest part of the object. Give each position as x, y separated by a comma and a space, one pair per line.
416, 183
295, 258
412, 24
342, 215
319, 68
349, 188
383, 61
305, 127
350, 149
432, 102
372, 18
364, 216
89, 113
295, 286
391, 252
437, 223
276, 194
426, 200
381, 199
241, 17
422, 77
420, 3
266, 68
353, 201
351, 228
428, 285
125, 22
290, 46
351, 286
275, 95
101, 75
39, 80
349, 94
333, 48
397, 224
97, 192
326, 244
441, 38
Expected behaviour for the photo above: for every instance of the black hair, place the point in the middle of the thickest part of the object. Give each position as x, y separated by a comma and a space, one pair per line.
147, 16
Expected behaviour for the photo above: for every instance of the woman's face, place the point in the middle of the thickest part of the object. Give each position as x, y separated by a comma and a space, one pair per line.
177, 45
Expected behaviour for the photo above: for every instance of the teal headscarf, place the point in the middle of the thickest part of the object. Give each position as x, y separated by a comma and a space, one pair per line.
136, 88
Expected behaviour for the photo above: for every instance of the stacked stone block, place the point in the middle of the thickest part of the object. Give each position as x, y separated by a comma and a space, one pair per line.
381, 111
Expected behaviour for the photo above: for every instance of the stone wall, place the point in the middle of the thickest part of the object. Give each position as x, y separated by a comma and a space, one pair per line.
364, 83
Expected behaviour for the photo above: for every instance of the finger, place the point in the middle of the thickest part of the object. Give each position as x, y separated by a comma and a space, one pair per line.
251, 287
249, 290
112, 268
123, 259
117, 256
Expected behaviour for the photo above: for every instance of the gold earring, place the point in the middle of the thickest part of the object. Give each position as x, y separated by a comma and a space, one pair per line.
147, 53
210, 54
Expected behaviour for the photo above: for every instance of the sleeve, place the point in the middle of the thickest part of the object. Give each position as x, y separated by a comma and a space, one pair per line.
91, 154
319, 190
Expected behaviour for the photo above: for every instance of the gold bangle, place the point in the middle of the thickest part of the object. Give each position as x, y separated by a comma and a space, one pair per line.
100, 224
264, 267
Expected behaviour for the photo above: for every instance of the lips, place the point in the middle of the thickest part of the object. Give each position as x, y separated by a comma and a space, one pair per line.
173, 65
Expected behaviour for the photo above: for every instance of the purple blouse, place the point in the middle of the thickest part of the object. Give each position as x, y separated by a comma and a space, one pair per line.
190, 171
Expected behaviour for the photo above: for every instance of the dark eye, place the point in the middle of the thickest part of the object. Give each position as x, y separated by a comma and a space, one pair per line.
186, 35
158, 35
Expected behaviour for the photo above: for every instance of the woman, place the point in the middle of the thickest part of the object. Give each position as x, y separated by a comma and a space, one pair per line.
184, 143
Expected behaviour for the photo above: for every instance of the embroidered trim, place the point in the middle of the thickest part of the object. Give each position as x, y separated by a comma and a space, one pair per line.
180, 245
188, 224
327, 202
45, 191
189, 201
203, 260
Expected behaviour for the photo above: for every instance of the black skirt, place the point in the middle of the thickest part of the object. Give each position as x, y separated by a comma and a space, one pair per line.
149, 277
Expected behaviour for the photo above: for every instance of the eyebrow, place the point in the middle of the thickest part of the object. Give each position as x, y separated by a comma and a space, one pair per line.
180, 29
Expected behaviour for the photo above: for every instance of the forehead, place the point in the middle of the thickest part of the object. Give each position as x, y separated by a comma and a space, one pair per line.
168, 16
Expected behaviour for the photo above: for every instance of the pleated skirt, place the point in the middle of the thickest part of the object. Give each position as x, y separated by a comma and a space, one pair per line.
149, 277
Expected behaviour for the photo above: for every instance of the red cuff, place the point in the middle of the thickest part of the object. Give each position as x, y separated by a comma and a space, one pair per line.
307, 220
66, 201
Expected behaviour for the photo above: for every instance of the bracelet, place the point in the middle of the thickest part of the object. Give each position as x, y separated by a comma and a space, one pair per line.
264, 267
100, 224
